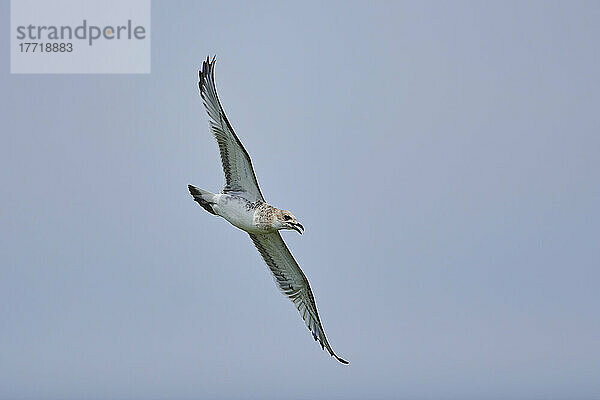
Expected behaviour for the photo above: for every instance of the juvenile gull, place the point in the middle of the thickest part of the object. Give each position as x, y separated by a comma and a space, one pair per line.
243, 205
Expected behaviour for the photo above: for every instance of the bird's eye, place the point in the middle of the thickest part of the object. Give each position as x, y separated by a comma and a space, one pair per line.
286, 217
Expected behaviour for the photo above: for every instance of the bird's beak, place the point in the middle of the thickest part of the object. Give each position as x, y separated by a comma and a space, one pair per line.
297, 227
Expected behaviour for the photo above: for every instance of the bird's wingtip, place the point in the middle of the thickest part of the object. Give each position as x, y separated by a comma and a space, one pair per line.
207, 64
342, 360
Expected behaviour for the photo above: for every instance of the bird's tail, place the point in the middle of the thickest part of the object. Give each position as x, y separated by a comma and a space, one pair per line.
203, 197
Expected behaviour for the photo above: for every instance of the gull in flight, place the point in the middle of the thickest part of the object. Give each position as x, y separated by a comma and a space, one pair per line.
243, 205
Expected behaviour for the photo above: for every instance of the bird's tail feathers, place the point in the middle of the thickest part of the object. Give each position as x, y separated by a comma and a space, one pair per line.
203, 197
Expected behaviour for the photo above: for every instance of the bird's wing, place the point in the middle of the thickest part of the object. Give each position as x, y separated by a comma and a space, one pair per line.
292, 282
239, 174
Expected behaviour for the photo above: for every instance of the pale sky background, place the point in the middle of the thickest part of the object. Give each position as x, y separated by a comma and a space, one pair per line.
443, 157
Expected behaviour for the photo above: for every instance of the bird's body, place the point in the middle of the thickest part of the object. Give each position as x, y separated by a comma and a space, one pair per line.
242, 204
249, 216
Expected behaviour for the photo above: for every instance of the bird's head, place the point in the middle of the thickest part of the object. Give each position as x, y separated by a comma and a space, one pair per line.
286, 220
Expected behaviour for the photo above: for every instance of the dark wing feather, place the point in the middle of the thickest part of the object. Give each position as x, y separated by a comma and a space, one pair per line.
293, 283
237, 166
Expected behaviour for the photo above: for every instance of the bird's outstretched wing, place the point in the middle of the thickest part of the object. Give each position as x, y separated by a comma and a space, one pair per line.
293, 283
239, 174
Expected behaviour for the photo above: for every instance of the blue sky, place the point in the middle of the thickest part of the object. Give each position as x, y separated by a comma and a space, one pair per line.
443, 158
